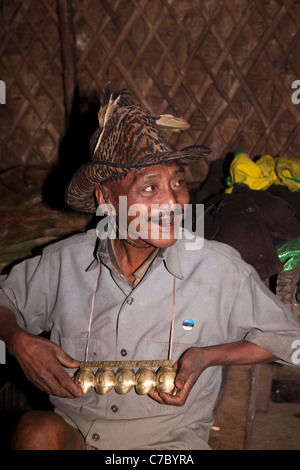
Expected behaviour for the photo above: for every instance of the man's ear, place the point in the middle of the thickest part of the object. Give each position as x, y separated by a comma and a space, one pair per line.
99, 196
104, 207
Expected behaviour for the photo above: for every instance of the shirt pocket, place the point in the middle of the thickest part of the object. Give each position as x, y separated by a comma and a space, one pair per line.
160, 350
76, 348
157, 350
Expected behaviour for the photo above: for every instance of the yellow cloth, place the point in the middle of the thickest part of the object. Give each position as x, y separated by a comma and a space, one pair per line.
264, 172
288, 172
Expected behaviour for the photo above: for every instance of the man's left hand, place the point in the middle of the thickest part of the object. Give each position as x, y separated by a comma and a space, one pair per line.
189, 367
195, 360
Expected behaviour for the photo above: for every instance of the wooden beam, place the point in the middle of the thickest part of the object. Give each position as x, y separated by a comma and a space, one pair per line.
67, 38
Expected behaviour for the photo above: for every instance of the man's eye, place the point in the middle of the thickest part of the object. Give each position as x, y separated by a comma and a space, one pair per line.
180, 182
149, 188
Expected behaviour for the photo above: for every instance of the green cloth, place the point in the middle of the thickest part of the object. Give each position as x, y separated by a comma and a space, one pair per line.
289, 254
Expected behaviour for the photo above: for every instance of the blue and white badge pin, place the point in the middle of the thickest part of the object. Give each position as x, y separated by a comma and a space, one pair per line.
188, 324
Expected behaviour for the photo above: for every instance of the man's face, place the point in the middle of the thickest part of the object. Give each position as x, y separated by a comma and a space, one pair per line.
155, 201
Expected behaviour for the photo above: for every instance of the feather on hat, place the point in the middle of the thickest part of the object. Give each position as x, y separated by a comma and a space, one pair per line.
128, 137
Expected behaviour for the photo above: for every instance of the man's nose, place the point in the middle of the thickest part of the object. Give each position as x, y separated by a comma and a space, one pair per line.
170, 196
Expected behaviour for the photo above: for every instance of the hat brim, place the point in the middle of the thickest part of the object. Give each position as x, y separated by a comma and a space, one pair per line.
80, 192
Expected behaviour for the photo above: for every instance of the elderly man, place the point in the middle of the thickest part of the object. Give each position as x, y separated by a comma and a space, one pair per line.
135, 295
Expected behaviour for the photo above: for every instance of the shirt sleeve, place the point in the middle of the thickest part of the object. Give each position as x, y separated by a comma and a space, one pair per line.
258, 316
26, 292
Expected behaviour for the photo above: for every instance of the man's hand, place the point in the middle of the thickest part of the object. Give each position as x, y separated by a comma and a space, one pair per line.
195, 360
42, 362
189, 366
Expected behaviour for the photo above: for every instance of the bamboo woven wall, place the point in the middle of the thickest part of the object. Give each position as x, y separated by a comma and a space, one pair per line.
226, 66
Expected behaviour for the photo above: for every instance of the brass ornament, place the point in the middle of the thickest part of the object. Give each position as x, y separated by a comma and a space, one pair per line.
132, 364
85, 379
145, 379
165, 379
105, 380
124, 379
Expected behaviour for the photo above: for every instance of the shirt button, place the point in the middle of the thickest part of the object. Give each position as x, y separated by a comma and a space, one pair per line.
114, 408
129, 300
123, 352
96, 436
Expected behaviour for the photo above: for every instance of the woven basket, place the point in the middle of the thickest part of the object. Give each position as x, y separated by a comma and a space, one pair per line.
226, 66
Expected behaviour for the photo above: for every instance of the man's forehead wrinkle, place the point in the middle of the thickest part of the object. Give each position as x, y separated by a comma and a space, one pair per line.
150, 175
134, 176
142, 175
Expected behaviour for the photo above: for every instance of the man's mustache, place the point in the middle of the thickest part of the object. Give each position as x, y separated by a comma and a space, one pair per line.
160, 214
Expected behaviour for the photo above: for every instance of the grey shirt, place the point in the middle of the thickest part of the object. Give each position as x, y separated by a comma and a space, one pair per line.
221, 294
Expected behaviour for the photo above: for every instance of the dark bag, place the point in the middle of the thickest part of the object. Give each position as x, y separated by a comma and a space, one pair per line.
252, 222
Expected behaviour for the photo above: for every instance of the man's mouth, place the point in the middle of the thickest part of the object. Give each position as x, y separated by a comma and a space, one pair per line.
163, 221
166, 221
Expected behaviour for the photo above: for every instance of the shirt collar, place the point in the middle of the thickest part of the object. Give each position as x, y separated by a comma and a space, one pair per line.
172, 261
169, 256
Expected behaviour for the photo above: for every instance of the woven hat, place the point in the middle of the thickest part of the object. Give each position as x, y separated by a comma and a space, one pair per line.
128, 138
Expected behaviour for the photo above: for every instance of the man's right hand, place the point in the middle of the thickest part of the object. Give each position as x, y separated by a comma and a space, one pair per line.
42, 362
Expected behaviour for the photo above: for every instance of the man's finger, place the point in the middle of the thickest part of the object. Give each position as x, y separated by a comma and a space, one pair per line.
66, 360
155, 396
62, 385
67, 383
